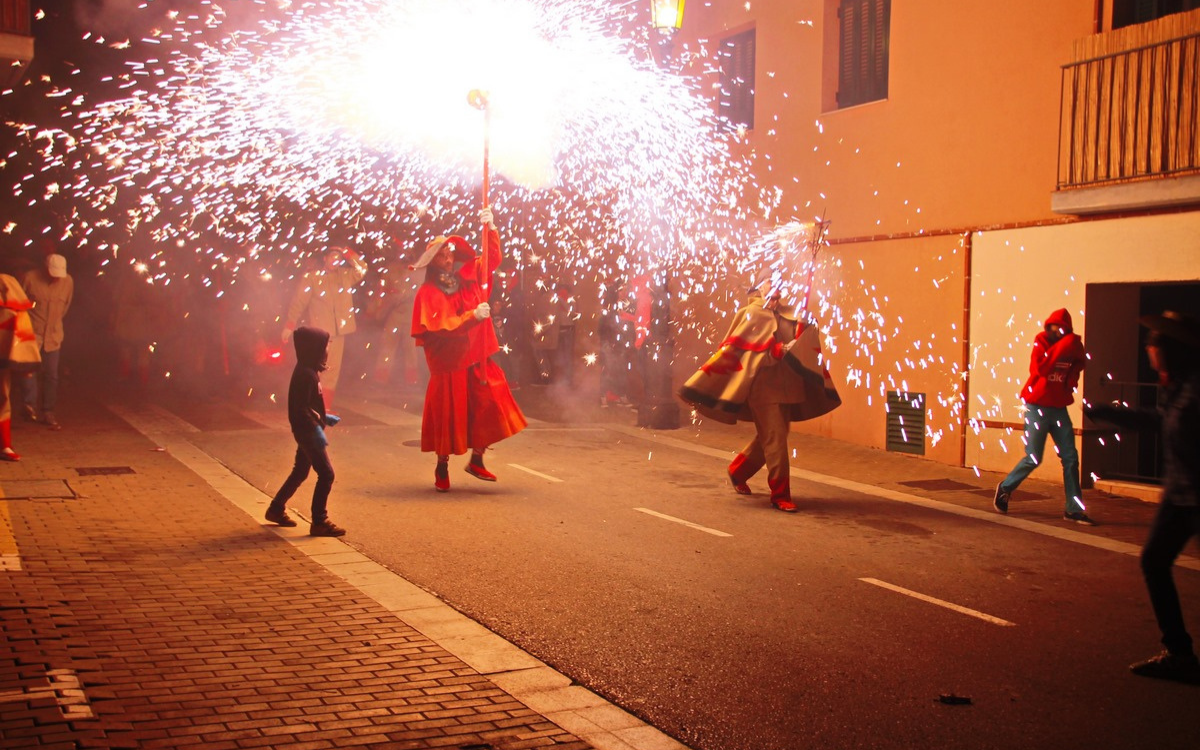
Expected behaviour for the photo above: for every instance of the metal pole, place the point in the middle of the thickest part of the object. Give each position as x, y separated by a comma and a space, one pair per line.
479, 100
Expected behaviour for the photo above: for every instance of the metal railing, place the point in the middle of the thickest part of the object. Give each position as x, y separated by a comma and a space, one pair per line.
1135, 456
15, 17
1131, 114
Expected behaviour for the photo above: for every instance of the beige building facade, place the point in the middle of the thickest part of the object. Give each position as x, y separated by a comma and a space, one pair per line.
981, 164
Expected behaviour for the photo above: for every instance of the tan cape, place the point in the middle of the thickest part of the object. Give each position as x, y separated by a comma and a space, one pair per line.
754, 352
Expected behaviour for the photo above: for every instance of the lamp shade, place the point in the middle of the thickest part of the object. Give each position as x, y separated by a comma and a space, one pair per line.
666, 15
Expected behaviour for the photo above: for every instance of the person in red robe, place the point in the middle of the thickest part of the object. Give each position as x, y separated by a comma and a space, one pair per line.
468, 404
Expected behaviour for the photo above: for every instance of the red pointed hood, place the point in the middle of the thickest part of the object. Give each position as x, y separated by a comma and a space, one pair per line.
1060, 318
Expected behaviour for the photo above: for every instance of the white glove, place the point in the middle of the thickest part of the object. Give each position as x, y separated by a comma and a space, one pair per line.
486, 217
483, 312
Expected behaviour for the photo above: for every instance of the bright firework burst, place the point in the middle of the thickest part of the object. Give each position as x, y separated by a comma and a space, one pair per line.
313, 123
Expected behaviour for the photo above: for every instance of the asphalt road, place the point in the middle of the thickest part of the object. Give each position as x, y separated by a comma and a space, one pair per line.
626, 562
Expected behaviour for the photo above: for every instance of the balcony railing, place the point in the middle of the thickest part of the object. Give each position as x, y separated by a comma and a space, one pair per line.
14, 17
1131, 114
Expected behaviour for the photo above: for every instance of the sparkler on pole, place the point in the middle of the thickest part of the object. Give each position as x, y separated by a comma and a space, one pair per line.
815, 240
479, 100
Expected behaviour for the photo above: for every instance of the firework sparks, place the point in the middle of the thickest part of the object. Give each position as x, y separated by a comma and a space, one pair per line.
283, 132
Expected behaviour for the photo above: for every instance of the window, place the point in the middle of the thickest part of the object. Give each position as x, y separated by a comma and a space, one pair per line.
1129, 12
863, 56
737, 79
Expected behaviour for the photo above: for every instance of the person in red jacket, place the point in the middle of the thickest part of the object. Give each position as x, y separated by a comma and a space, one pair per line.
468, 404
1058, 357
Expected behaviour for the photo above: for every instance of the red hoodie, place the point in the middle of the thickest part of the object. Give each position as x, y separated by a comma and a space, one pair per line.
1054, 365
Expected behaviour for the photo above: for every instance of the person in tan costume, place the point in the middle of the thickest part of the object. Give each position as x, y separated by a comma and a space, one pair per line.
18, 353
769, 370
324, 300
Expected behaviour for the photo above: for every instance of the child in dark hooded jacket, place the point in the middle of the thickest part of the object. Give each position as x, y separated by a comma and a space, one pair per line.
307, 417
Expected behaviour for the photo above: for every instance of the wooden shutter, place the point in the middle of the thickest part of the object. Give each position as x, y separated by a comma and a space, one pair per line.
863, 57
737, 79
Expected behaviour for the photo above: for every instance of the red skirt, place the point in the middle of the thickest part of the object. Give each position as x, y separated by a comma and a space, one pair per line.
467, 409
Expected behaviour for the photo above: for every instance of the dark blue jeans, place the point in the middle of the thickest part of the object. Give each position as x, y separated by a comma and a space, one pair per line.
1054, 422
308, 457
1173, 526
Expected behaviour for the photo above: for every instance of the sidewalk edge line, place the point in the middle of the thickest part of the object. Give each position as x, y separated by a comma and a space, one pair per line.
567, 702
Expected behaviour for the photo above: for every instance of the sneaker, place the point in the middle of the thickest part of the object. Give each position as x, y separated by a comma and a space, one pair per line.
50, 421
1000, 501
29, 413
441, 477
280, 517
1168, 666
739, 487
787, 506
1080, 518
477, 471
326, 528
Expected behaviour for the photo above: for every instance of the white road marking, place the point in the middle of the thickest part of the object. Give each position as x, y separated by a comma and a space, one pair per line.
553, 694
1056, 532
939, 602
689, 524
176, 423
547, 477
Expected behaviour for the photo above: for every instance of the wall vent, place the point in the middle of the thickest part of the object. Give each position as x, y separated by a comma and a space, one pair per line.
906, 422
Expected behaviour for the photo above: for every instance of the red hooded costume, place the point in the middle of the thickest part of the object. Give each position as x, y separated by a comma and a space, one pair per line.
468, 403
1054, 365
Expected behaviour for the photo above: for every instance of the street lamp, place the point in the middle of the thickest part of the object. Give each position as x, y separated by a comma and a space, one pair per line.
666, 17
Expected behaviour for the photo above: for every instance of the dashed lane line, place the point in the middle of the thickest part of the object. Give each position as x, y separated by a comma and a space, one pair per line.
682, 522
1066, 535
939, 602
528, 470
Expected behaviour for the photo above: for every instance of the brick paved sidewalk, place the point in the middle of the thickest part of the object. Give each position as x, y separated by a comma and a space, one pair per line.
141, 609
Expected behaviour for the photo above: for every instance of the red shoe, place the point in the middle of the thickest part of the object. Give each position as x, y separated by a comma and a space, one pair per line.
477, 471
781, 494
441, 477
8, 454
740, 487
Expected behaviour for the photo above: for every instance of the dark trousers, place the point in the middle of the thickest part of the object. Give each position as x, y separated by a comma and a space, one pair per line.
308, 457
48, 376
1173, 526
564, 356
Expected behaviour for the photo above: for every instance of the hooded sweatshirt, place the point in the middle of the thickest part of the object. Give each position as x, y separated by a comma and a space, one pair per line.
1054, 365
306, 407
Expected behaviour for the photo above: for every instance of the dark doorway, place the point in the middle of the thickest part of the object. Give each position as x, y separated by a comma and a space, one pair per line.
1119, 371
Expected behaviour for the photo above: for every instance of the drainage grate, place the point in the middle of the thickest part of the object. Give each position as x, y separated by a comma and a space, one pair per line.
33, 489
96, 471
